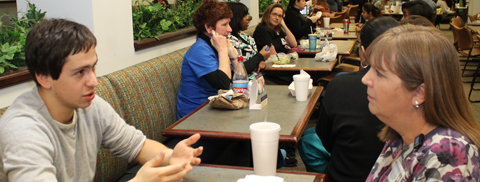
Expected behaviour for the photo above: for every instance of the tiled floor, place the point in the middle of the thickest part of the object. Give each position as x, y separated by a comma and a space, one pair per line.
475, 106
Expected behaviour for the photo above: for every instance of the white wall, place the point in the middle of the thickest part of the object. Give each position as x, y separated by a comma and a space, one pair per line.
473, 7
111, 23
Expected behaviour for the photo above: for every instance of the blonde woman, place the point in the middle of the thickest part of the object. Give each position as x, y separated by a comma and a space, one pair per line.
415, 88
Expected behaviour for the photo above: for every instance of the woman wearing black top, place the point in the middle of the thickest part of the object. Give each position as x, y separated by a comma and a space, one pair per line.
296, 22
273, 31
253, 58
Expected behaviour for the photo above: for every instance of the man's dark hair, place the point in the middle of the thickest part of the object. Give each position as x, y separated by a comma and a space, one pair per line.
416, 20
50, 42
374, 28
418, 7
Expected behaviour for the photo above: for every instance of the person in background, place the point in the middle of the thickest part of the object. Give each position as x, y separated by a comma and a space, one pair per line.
369, 11
162, 2
206, 65
416, 20
445, 9
417, 7
299, 25
432, 4
346, 127
244, 43
272, 30
322, 6
333, 6
381, 6
358, 18
430, 131
54, 131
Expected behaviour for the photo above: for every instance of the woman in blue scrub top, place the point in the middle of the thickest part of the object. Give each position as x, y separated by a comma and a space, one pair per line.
206, 65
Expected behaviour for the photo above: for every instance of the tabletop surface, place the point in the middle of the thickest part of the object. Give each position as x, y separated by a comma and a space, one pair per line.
351, 28
216, 173
307, 64
282, 108
475, 28
344, 47
475, 23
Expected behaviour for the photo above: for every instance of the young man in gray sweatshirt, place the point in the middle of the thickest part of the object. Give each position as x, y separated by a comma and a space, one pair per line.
54, 131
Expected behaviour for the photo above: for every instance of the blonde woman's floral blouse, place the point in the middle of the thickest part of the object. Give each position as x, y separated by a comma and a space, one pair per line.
445, 155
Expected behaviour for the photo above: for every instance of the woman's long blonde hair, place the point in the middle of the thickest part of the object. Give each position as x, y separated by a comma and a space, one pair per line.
419, 54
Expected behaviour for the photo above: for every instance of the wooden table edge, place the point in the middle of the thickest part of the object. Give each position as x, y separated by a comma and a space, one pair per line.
319, 177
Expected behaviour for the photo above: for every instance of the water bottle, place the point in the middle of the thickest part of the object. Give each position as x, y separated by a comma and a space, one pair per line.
240, 81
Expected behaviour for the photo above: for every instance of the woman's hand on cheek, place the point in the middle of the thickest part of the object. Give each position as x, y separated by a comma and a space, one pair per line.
219, 42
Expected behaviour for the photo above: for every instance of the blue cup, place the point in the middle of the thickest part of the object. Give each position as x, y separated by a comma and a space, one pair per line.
312, 41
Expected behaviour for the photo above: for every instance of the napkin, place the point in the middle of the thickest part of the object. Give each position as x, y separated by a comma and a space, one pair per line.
283, 65
256, 178
227, 95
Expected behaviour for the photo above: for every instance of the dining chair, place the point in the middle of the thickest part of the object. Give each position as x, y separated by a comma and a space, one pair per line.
458, 21
465, 43
473, 17
337, 19
352, 13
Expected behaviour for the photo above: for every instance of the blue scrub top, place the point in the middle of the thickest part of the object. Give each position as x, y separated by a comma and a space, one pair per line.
194, 90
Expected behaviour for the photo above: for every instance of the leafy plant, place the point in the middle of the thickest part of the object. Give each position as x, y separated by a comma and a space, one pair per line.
150, 20
12, 38
263, 4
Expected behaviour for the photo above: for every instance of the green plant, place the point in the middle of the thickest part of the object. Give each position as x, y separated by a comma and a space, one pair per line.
150, 20
263, 4
12, 38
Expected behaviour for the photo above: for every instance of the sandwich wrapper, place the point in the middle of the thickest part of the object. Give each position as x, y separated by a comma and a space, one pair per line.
257, 178
291, 87
228, 99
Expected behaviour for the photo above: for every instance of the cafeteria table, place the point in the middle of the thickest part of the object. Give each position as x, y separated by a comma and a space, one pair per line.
221, 173
282, 108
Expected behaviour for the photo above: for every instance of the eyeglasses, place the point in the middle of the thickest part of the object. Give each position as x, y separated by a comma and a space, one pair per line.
277, 15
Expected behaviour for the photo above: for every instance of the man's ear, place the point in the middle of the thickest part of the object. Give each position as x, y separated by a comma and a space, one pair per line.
208, 29
43, 80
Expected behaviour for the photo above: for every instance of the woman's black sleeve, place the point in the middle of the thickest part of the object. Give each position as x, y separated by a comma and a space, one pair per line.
218, 80
253, 62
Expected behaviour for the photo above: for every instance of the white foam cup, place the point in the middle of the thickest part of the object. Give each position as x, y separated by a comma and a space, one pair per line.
264, 136
326, 22
301, 86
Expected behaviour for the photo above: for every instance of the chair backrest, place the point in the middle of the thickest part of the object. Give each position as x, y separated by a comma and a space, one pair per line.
353, 10
344, 14
473, 17
336, 19
454, 32
464, 37
457, 21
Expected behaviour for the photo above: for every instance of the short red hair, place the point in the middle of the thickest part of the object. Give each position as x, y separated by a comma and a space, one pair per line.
210, 12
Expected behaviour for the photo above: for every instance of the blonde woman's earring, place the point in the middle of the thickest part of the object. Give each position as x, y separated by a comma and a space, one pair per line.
416, 104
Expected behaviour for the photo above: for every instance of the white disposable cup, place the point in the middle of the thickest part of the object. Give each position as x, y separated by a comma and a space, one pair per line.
264, 136
301, 86
326, 22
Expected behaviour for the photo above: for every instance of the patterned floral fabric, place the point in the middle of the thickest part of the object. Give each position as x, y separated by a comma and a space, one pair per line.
445, 155
248, 50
